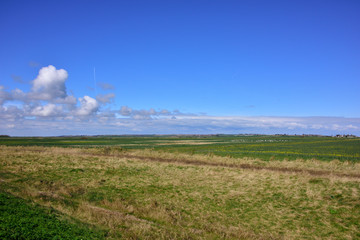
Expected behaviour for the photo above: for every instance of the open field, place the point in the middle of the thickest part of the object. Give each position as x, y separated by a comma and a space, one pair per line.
265, 147
167, 191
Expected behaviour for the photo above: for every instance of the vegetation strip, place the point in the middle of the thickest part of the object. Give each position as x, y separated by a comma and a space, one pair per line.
265, 147
239, 166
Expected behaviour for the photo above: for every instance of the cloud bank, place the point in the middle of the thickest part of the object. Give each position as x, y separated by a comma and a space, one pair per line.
48, 110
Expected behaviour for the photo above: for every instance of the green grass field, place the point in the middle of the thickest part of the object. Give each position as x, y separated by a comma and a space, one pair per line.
265, 147
180, 187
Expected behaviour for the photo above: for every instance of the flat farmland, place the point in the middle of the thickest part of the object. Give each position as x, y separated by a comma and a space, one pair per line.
183, 187
265, 147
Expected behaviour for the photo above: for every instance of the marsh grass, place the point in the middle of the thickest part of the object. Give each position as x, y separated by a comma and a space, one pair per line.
149, 194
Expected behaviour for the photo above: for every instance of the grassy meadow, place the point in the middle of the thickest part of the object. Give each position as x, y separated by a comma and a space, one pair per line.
188, 187
266, 147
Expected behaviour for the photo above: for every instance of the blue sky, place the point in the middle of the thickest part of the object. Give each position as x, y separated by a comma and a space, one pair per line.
179, 67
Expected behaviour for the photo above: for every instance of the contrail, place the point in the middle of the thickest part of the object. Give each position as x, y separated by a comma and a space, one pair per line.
95, 82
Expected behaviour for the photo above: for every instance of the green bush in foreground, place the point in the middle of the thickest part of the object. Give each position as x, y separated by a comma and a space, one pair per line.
22, 220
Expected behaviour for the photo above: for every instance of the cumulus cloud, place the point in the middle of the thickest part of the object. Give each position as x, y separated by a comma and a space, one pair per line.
67, 100
47, 110
18, 94
50, 84
11, 113
88, 106
48, 99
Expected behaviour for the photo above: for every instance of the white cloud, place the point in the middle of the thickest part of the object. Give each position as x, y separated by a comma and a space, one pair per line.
108, 123
71, 100
271, 125
47, 99
125, 111
18, 94
11, 113
350, 126
88, 106
165, 112
146, 114
47, 110
49, 84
